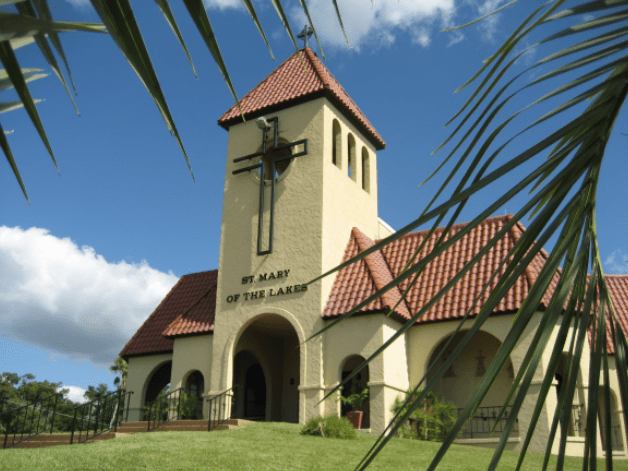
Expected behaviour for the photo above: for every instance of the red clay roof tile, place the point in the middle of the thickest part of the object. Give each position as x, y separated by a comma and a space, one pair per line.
618, 289
454, 304
293, 82
195, 296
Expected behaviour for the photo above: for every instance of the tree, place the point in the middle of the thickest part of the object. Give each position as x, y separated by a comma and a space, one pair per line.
586, 41
18, 391
93, 393
122, 367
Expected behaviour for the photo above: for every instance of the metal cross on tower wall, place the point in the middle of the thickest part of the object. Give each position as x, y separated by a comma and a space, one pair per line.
261, 165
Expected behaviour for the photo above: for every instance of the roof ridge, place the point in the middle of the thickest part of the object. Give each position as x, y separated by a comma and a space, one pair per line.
319, 68
381, 274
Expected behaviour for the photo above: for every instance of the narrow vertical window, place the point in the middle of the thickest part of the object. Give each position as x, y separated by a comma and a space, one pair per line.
366, 171
336, 155
351, 157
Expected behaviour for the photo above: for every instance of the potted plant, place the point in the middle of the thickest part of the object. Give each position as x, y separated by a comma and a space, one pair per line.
355, 400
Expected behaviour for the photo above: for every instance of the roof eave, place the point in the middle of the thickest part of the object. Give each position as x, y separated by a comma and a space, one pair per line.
379, 144
144, 354
191, 334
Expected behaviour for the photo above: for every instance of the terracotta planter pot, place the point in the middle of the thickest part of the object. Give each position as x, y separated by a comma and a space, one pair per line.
355, 418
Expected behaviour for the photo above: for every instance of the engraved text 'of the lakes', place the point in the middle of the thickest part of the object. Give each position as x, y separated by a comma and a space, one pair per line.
266, 293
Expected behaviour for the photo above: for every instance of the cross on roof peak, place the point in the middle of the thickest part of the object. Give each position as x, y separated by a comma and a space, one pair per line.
305, 34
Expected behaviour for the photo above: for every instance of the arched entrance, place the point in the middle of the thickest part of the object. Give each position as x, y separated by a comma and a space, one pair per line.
157, 382
266, 366
356, 385
464, 376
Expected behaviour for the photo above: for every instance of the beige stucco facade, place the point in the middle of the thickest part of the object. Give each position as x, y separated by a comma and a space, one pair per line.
265, 316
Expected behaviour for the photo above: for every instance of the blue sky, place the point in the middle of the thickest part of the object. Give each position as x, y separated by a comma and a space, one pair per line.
102, 244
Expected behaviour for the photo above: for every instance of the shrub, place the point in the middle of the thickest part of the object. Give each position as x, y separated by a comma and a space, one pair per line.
431, 421
312, 426
355, 399
188, 407
329, 427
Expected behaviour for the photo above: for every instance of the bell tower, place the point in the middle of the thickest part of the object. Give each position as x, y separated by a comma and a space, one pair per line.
301, 173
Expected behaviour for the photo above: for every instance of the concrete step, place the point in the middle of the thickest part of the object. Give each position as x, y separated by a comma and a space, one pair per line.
179, 426
47, 439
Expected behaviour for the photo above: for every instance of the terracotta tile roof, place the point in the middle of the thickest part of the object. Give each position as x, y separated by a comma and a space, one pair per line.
360, 280
196, 291
351, 286
292, 83
618, 289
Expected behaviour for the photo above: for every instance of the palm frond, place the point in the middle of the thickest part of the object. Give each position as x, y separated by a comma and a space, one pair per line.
561, 204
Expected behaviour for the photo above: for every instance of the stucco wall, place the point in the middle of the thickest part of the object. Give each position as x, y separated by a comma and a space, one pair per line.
191, 354
316, 206
140, 371
363, 335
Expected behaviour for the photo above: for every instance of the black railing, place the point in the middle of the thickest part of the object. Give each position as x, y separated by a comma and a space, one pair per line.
221, 407
163, 409
576, 424
617, 441
27, 421
99, 416
483, 422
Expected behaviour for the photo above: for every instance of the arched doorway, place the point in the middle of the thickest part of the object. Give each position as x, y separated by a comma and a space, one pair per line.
463, 378
356, 385
255, 393
577, 417
266, 366
617, 439
194, 386
157, 382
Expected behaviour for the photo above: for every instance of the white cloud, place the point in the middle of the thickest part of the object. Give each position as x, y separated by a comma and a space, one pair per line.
223, 4
80, 4
75, 394
378, 23
489, 25
70, 300
617, 263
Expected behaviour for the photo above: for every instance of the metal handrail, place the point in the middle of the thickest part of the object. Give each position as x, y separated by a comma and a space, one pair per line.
168, 405
484, 420
576, 422
32, 429
218, 406
105, 413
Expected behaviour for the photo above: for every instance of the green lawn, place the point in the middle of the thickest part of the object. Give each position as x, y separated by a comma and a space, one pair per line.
256, 446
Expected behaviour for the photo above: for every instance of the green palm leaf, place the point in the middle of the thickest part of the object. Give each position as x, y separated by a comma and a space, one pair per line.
17, 78
4, 144
562, 203
165, 10
197, 11
121, 24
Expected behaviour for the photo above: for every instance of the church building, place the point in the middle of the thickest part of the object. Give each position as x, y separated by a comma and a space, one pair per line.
300, 197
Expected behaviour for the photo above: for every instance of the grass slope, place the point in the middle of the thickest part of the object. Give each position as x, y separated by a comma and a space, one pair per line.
258, 446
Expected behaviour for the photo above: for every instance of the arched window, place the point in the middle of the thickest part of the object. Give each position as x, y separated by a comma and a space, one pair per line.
617, 440
366, 171
351, 170
336, 153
